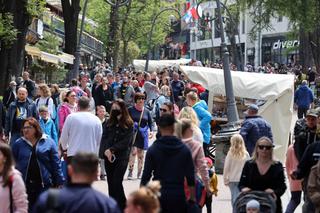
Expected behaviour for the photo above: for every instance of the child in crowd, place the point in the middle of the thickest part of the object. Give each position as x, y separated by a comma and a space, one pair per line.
253, 206
47, 125
213, 184
144, 199
101, 114
233, 165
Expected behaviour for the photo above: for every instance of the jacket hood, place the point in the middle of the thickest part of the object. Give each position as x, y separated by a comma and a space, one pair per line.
304, 87
169, 144
202, 104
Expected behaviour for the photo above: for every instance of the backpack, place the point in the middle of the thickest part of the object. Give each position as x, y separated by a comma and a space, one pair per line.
46, 104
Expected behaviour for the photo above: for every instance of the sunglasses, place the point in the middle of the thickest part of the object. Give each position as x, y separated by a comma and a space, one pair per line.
163, 110
140, 98
266, 147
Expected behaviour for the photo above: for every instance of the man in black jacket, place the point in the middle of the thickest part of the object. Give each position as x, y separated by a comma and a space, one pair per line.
29, 85
305, 132
310, 158
170, 162
10, 94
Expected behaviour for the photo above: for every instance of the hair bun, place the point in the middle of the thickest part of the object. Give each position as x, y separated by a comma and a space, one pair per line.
154, 187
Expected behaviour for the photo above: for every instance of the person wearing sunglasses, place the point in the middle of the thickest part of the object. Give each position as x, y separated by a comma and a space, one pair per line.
115, 149
263, 173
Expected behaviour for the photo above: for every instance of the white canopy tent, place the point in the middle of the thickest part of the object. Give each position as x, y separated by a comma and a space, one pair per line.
159, 64
277, 90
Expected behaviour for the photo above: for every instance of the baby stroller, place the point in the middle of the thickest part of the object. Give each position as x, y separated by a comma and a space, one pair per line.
267, 203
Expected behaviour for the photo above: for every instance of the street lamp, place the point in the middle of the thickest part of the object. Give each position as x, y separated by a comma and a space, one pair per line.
151, 31
75, 72
209, 18
232, 112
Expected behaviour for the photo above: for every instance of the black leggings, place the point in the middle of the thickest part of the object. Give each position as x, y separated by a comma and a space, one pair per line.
115, 172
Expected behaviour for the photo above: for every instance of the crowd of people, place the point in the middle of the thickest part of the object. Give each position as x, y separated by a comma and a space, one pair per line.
57, 141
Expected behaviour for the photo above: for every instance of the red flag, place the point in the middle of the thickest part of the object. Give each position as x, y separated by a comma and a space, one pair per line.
194, 13
187, 5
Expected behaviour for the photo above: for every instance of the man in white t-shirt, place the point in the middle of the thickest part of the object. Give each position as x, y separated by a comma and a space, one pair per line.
82, 131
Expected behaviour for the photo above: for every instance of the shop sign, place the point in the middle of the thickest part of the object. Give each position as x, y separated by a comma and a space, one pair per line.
285, 44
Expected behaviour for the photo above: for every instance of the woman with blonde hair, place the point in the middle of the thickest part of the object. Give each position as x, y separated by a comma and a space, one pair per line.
189, 113
184, 131
145, 199
45, 99
263, 173
235, 160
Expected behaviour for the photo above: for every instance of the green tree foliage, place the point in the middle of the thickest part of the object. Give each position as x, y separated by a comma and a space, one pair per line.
135, 23
52, 72
7, 32
35, 8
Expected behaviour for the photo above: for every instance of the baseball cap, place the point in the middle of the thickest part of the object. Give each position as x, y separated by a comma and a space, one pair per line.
312, 113
253, 107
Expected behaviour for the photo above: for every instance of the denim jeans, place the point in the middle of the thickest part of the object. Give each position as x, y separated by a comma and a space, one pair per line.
294, 201
234, 191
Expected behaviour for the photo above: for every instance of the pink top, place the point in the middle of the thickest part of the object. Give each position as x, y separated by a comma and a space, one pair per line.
198, 160
291, 165
19, 195
64, 110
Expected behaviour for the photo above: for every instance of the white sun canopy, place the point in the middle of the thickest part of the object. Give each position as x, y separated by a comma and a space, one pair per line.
159, 64
277, 90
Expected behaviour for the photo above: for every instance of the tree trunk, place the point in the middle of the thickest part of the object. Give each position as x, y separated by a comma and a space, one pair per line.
315, 47
113, 42
305, 53
11, 57
71, 12
125, 37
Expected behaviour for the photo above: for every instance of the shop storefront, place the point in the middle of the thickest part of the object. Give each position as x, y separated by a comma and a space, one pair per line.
279, 49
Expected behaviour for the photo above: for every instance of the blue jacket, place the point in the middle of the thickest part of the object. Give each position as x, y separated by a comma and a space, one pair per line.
31, 112
303, 97
76, 198
49, 128
47, 156
253, 128
204, 116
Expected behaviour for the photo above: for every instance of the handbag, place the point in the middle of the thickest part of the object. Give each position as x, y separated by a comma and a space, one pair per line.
136, 133
10, 184
200, 191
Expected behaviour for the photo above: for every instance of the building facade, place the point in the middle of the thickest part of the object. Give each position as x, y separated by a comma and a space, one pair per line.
270, 45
